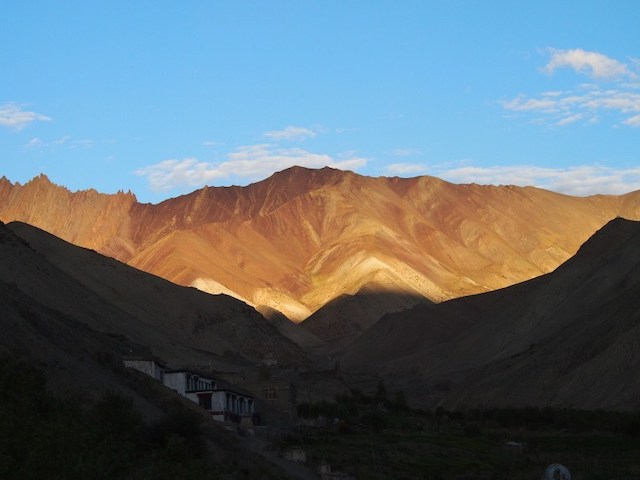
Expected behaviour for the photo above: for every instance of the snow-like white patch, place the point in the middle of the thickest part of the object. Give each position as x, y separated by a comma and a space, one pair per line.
290, 307
209, 285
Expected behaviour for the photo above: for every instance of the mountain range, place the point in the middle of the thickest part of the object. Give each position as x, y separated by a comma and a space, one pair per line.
569, 337
305, 239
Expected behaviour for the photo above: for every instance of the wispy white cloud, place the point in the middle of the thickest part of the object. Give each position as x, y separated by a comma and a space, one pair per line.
250, 162
170, 174
255, 162
82, 143
13, 116
522, 104
66, 141
405, 169
579, 180
35, 142
61, 141
291, 133
570, 119
576, 105
585, 103
594, 64
633, 121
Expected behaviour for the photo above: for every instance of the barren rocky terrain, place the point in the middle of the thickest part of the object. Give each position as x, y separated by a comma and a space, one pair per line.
344, 249
61, 301
570, 338
304, 238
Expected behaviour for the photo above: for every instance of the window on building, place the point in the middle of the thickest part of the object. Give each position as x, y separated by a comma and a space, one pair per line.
270, 394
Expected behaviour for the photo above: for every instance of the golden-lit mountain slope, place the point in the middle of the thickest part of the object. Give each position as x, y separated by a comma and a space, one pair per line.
570, 338
302, 238
86, 218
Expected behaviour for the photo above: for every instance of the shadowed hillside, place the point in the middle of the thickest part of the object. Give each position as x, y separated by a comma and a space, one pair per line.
568, 338
344, 318
92, 296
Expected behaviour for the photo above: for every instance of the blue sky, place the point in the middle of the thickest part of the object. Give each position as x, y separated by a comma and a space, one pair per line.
162, 98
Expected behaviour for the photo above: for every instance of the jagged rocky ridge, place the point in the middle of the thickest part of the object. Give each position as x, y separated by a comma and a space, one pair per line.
302, 238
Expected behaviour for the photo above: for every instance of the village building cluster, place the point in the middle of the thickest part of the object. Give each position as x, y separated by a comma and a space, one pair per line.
225, 404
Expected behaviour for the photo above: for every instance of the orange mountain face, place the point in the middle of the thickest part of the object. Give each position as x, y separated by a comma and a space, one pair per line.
301, 238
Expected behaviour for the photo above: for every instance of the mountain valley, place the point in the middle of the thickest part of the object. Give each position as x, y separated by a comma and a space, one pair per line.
345, 250
451, 298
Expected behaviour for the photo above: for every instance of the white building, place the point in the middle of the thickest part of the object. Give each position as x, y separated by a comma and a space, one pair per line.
183, 382
224, 404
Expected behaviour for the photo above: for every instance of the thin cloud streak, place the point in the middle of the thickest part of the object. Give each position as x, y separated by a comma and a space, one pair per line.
570, 119
12, 116
633, 121
574, 106
37, 143
255, 162
291, 133
252, 162
580, 180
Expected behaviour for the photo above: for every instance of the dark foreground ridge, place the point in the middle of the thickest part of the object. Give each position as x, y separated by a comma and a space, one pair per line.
570, 338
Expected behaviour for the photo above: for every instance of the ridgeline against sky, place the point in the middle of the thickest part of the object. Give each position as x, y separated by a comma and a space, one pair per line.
303, 238
163, 98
